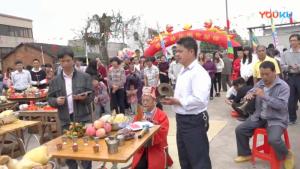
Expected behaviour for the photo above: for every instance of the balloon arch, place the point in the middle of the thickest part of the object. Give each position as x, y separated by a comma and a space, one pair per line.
213, 35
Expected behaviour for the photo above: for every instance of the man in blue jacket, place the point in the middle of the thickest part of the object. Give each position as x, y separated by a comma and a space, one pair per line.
271, 111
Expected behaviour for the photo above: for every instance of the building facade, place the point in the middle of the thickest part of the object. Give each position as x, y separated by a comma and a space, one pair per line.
13, 31
283, 33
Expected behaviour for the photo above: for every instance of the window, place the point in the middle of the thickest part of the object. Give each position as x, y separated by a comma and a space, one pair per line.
4, 51
15, 31
4, 30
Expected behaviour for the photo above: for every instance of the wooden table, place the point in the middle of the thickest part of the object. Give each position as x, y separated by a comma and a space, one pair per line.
15, 127
8, 105
125, 152
49, 118
27, 99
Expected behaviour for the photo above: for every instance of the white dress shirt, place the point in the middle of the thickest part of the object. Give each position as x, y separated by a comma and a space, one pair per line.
174, 70
69, 91
192, 90
21, 80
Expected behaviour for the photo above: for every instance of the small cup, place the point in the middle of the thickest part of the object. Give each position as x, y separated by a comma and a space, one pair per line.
96, 148
86, 140
59, 146
74, 139
64, 139
75, 147
96, 140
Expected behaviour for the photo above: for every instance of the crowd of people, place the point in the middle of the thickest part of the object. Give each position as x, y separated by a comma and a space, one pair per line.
266, 80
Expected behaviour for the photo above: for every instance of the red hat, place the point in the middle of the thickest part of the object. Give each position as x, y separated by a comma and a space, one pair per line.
149, 91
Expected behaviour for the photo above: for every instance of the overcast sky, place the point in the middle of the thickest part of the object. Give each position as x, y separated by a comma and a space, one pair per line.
57, 21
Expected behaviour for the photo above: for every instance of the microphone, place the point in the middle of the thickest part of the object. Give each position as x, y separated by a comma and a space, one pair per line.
144, 131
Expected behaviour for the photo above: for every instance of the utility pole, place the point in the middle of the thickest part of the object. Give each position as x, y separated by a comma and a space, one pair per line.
227, 18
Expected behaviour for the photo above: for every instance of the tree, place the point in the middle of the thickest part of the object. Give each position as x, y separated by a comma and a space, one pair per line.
99, 30
140, 35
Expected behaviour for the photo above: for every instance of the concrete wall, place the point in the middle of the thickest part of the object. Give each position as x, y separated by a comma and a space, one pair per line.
10, 41
283, 34
26, 54
15, 21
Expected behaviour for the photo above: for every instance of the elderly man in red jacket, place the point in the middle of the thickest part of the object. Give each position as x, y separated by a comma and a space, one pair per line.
154, 155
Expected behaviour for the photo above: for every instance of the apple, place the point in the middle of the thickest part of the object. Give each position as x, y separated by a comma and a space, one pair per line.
100, 133
107, 127
90, 131
98, 124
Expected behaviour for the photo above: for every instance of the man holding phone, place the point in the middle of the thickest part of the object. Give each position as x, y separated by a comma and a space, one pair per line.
190, 102
71, 93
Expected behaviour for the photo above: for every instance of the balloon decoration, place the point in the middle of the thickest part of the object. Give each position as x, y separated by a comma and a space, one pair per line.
211, 34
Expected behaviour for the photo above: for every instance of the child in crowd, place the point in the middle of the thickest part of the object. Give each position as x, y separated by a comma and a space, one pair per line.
132, 98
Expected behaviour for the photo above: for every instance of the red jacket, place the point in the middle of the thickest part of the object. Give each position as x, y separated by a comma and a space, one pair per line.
236, 67
157, 157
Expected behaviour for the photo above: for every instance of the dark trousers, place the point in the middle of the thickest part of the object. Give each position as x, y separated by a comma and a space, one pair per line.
72, 164
245, 131
143, 163
250, 81
217, 82
212, 88
118, 100
294, 83
225, 81
192, 142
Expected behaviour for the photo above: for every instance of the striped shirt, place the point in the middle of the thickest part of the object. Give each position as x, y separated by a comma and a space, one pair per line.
116, 77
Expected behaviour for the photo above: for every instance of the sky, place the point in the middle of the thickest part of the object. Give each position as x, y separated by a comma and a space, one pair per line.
57, 21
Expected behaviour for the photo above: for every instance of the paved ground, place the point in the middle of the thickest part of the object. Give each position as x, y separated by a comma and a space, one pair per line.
223, 146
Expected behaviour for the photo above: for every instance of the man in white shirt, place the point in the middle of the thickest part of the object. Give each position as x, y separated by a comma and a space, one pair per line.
174, 70
21, 78
190, 105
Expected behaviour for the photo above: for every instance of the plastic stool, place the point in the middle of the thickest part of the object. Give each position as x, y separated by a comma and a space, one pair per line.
265, 151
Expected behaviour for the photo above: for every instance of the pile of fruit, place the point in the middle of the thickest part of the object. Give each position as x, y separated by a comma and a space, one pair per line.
103, 126
3, 99
30, 92
34, 107
100, 129
7, 117
75, 130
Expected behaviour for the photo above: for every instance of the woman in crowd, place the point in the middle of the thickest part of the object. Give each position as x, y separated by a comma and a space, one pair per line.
92, 68
247, 66
210, 67
236, 64
163, 67
101, 100
217, 58
116, 81
201, 58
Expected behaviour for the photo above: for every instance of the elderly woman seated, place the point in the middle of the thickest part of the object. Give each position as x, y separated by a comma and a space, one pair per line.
154, 154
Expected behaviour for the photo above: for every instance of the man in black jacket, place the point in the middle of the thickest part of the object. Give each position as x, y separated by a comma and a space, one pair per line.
71, 92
